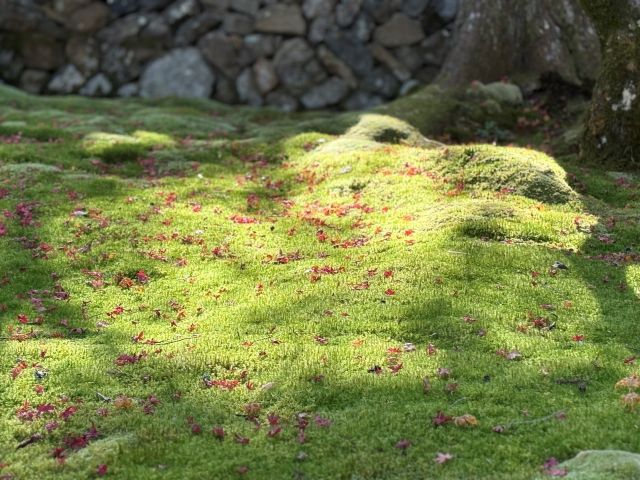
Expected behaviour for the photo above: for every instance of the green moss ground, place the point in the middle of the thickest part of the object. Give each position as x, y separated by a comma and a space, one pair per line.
274, 263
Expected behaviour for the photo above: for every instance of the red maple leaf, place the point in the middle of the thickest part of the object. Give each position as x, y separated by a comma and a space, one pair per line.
440, 419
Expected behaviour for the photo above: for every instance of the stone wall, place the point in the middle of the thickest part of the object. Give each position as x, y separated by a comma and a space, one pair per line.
303, 54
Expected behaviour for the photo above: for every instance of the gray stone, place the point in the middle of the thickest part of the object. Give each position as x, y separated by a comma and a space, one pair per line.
381, 10
22, 18
11, 72
128, 90
120, 63
327, 94
319, 28
291, 51
180, 10
262, 45
33, 81
144, 53
414, 8
246, 6
298, 78
281, 18
282, 101
296, 67
237, 23
363, 27
84, 54
336, 66
350, 49
97, 86
123, 29
347, 11
156, 29
11, 64
265, 75
6, 57
180, 73
218, 5
317, 8
446, 9
225, 52
65, 7
382, 82
409, 87
193, 28
66, 80
410, 57
42, 52
386, 58
122, 7
149, 5
361, 100
226, 90
89, 18
399, 30
247, 89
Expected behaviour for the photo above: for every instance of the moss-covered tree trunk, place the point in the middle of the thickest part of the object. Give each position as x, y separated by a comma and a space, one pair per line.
523, 40
612, 130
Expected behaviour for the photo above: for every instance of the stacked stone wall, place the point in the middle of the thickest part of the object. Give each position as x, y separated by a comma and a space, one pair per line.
305, 54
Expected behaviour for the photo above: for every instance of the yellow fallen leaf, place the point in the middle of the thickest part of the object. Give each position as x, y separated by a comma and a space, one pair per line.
631, 382
466, 420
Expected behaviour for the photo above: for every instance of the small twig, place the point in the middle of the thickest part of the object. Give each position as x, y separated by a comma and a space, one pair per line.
167, 342
534, 420
36, 437
461, 399
102, 397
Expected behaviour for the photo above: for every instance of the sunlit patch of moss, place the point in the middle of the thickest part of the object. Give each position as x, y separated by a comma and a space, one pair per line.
181, 125
508, 220
387, 129
112, 147
524, 172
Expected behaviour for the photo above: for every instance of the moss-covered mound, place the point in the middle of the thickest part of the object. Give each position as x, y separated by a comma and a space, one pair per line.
600, 465
521, 171
461, 114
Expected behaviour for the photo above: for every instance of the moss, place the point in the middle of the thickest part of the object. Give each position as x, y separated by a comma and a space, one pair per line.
102, 451
386, 129
35, 132
501, 92
523, 172
113, 147
383, 206
460, 114
28, 167
601, 464
429, 110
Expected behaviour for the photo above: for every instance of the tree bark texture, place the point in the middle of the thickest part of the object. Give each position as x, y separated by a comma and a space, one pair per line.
612, 129
523, 40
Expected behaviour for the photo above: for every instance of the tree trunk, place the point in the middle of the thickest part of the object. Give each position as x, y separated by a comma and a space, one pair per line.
523, 40
612, 129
